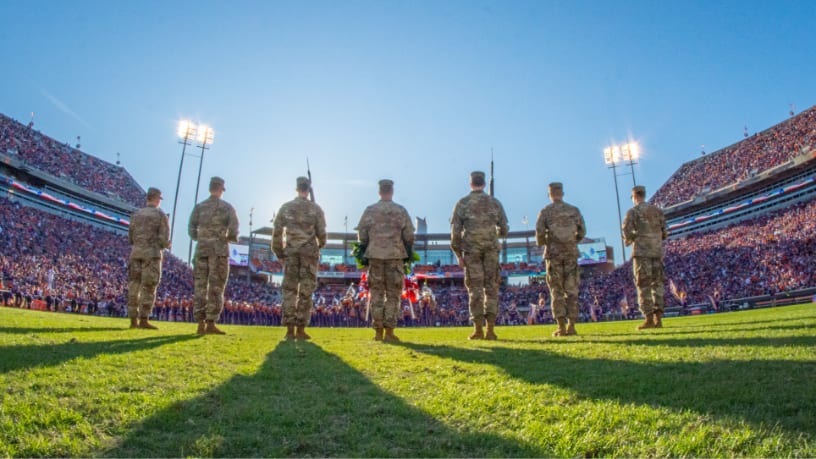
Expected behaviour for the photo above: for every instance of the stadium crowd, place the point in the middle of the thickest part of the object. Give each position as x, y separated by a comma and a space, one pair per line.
69, 265
770, 254
753, 155
68, 163
72, 266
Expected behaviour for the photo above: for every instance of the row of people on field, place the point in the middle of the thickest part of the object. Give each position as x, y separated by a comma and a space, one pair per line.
43, 255
386, 238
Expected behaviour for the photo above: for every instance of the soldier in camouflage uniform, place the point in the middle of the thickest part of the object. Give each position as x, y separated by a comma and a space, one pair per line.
303, 225
559, 228
386, 232
149, 234
644, 228
477, 223
214, 224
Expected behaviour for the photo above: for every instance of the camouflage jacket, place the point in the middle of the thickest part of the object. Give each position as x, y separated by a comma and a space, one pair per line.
559, 228
477, 222
214, 224
386, 229
645, 229
302, 224
148, 233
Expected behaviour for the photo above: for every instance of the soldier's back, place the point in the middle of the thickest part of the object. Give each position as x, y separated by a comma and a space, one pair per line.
482, 218
385, 222
145, 226
563, 223
213, 218
213, 225
304, 222
650, 226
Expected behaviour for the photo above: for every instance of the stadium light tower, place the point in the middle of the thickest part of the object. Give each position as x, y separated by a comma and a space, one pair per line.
611, 158
630, 152
205, 137
186, 131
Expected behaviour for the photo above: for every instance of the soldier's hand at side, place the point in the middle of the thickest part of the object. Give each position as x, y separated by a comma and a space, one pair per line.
460, 261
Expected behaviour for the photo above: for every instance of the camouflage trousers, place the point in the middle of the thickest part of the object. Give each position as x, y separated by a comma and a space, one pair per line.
482, 274
143, 279
210, 278
299, 282
385, 281
649, 279
562, 279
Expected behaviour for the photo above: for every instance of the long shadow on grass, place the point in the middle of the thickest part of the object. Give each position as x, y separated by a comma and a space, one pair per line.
35, 330
705, 325
16, 357
658, 340
670, 329
760, 392
305, 402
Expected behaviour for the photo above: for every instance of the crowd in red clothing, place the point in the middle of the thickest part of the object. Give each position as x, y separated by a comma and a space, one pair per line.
740, 161
68, 163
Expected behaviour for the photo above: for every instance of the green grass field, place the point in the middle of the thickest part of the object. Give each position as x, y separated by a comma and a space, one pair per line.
736, 384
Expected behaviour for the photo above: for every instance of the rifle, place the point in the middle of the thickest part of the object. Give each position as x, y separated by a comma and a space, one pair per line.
491, 172
309, 176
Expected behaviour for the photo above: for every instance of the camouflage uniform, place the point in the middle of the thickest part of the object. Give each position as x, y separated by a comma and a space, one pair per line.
305, 232
149, 234
477, 223
644, 228
213, 224
386, 230
559, 228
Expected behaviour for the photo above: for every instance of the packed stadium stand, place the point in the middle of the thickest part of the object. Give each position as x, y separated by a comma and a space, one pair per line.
740, 162
44, 155
742, 224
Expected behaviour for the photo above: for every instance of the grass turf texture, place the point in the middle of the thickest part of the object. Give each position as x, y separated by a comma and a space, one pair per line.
736, 384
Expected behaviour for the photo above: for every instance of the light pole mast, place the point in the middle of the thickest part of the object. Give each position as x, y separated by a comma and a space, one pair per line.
611, 157
186, 130
205, 136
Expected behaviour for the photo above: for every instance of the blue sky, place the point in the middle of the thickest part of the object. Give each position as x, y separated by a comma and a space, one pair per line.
415, 91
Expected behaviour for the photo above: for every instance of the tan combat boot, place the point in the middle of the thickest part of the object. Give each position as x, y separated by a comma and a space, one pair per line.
378, 334
648, 322
491, 334
562, 327
301, 333
390, 337
134, 322
290, 333
658, 319
143, 323
201, 330
571, 327
478, 332
212, 329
